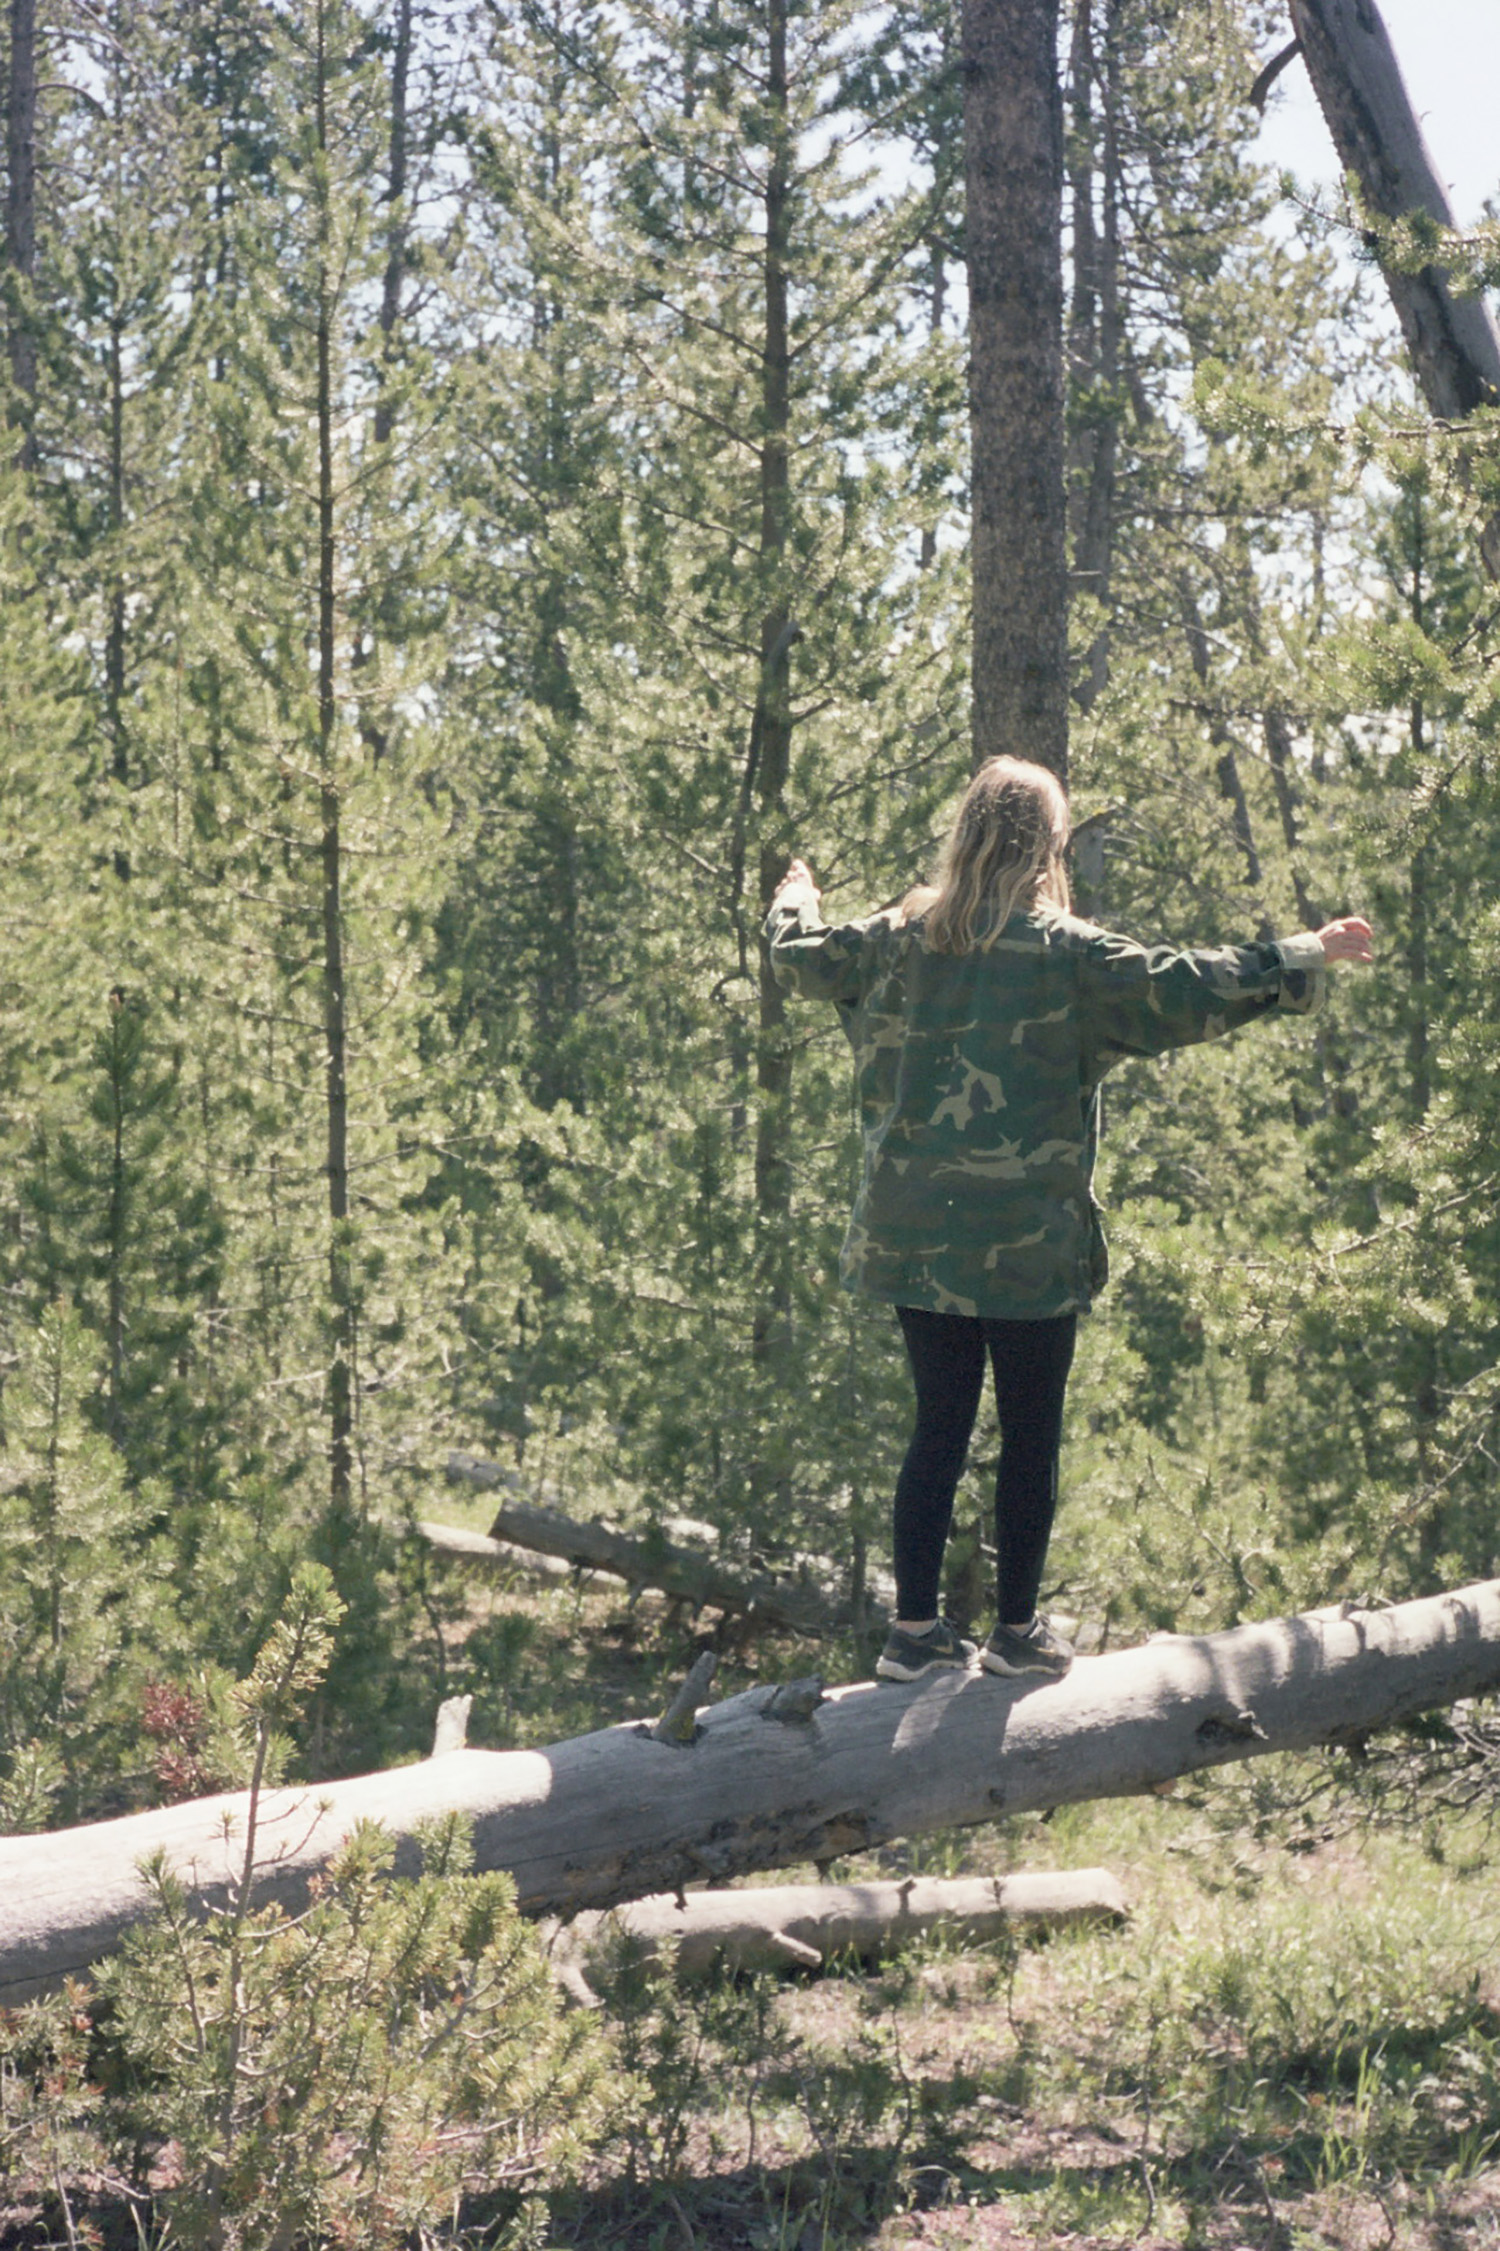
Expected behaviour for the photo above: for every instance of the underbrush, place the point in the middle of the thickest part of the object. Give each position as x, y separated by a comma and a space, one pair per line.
1287, 2048
1295, 2040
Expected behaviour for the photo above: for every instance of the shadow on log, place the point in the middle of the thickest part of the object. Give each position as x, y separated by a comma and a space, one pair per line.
769, 1781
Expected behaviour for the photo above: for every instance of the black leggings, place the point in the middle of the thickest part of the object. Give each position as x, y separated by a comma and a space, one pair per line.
1030, 1360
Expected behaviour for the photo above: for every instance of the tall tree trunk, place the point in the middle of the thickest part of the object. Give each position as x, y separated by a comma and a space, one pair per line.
340, 1289
115, 641
1094, 326
1419, 1042
937, 295
1453, 341
393, 280
1277, 730
1014, 174
20, 213
772, 720
119, 1190
397, 237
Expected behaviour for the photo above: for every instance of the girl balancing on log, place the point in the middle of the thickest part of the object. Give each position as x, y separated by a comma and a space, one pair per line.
983, 1014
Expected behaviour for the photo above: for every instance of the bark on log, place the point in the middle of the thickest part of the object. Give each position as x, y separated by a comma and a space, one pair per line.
776, 1926
1453, 341
659, 1562
616, 1815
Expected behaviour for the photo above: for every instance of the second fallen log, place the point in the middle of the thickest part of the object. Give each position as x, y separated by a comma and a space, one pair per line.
776, 1926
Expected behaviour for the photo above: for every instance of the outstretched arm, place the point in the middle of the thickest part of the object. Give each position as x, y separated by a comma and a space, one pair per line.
1141, 1000
806, 954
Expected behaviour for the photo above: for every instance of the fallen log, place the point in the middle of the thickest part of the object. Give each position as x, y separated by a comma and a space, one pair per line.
793, 1606
779, 1926
768, 1779
479, 1547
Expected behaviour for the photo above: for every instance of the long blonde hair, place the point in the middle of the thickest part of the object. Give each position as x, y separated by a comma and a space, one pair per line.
1004, 853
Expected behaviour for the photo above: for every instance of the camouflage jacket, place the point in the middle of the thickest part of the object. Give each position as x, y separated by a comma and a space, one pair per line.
978, 1079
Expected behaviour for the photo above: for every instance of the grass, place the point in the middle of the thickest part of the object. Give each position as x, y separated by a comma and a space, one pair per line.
1295, 2040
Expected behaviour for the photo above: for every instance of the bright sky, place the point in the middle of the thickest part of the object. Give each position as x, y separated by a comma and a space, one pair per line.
1449, 51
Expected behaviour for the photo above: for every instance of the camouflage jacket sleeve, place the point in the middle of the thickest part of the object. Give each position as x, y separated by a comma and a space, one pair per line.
811, 956
1141, 1000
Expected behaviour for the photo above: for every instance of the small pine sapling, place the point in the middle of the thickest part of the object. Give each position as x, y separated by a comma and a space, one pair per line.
340, 2073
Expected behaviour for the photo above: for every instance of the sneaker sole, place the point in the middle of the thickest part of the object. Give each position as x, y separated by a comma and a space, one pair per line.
994, 1664
889, 1668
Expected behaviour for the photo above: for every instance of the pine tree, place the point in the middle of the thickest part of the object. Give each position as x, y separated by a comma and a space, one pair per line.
79, 1612
119, 1228
742, 482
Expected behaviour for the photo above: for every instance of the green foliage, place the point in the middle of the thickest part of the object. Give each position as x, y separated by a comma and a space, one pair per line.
117, 1225
79, 1614
331, 2076
401, 729
340, 2075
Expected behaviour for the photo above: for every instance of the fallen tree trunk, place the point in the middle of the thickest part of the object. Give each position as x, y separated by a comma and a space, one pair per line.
779, 1776
780, 1926
481, 1548
793, 1606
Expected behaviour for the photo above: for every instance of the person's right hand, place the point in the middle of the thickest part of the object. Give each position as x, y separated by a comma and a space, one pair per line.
798, 872
1347, 940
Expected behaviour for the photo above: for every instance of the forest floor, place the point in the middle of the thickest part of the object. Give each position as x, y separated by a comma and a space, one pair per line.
1293, 2041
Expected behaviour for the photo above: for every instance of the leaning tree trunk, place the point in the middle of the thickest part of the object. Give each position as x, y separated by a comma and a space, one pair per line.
1014, 178
778, 1776
1454, 345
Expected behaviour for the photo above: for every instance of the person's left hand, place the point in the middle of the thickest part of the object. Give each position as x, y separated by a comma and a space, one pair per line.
798, 872
1348, 939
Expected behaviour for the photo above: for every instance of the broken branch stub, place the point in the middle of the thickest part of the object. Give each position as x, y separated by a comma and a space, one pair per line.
679, 1722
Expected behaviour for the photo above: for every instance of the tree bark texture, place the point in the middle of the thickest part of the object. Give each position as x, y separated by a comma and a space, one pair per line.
20, 206
770, 1778
1453, 341
1014, 174
335, 1027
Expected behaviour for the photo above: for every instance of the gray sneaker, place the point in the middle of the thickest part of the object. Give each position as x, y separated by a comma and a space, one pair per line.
1036, 1648
908, 1656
